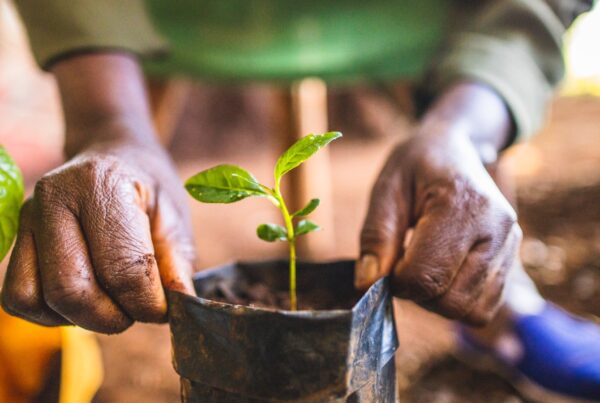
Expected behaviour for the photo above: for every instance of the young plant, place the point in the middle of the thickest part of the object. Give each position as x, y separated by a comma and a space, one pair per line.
230, 183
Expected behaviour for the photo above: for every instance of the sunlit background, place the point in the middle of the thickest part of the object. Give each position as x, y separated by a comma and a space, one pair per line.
582, 53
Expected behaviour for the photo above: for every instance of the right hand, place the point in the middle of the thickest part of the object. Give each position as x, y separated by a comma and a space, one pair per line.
99, 239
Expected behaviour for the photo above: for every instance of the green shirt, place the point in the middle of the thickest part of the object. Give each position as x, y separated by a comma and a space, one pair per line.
514, 46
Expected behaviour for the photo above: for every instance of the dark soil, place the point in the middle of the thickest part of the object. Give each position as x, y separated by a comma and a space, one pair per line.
260, 295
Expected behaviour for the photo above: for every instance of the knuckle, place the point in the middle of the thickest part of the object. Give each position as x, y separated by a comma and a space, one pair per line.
78, 304
66, 299
17, 302
478, 274
440, 194
454, 306
429, 283
457, 193
128, 274
116, 326
97, 170
377, 232
97, 166
46, 191
150, 312
473, 198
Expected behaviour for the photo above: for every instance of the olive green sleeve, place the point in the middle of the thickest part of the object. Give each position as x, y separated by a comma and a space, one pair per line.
514, 46
60, 27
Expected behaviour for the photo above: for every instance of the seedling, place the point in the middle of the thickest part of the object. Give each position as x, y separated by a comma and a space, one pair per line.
230, 183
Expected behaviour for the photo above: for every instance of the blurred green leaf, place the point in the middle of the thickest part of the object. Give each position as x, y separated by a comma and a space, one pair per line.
302, 150
305, 226
271, 232
223, 184
309, 208
11, 198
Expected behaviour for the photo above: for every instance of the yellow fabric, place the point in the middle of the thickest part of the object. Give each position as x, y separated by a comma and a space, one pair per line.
81, 371
26, 351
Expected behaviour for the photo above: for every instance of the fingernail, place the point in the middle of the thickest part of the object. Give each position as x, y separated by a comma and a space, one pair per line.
366, 272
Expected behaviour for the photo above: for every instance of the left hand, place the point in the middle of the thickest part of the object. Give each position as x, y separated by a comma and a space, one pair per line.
465, 235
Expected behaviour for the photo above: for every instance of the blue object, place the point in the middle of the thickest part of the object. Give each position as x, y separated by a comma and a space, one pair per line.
558, 355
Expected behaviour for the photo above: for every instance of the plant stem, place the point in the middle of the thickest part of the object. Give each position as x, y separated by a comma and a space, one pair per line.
293, 298
291, 237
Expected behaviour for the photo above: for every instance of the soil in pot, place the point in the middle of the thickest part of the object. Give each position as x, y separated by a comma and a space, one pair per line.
233, 351
259, 295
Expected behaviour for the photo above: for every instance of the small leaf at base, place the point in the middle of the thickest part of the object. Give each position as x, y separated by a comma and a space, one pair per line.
305, 226
271, 232
309, 208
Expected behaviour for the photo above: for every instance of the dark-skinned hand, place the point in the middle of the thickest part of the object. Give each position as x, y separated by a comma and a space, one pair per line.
104, 234
95, 240
437, 223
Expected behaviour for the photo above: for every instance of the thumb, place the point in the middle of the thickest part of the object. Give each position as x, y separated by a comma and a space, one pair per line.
383, 231
173, 246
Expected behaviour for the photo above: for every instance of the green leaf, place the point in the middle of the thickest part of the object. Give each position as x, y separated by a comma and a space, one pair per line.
302, 150
271, 232
309, 208
223, 184
11, 197
305, 226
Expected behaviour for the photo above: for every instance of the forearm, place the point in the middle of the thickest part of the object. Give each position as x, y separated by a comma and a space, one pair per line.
104, 100
515, 47
473, 110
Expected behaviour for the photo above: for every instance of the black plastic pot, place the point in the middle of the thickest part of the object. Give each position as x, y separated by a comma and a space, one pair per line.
235, 353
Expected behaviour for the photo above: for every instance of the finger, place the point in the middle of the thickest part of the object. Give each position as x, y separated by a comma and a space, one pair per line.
22, 292
384, 228
117, 229
490, 300
439, 246
69, 285
173, 245
483, 261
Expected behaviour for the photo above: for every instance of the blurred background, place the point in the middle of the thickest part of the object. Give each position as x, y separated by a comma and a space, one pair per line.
557, 177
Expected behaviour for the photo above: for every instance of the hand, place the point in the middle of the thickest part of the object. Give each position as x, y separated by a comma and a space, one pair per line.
97, 238
104, 233
462, 232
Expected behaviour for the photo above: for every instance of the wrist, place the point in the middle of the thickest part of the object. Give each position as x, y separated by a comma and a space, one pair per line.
110, 134
474, 111
104, 101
